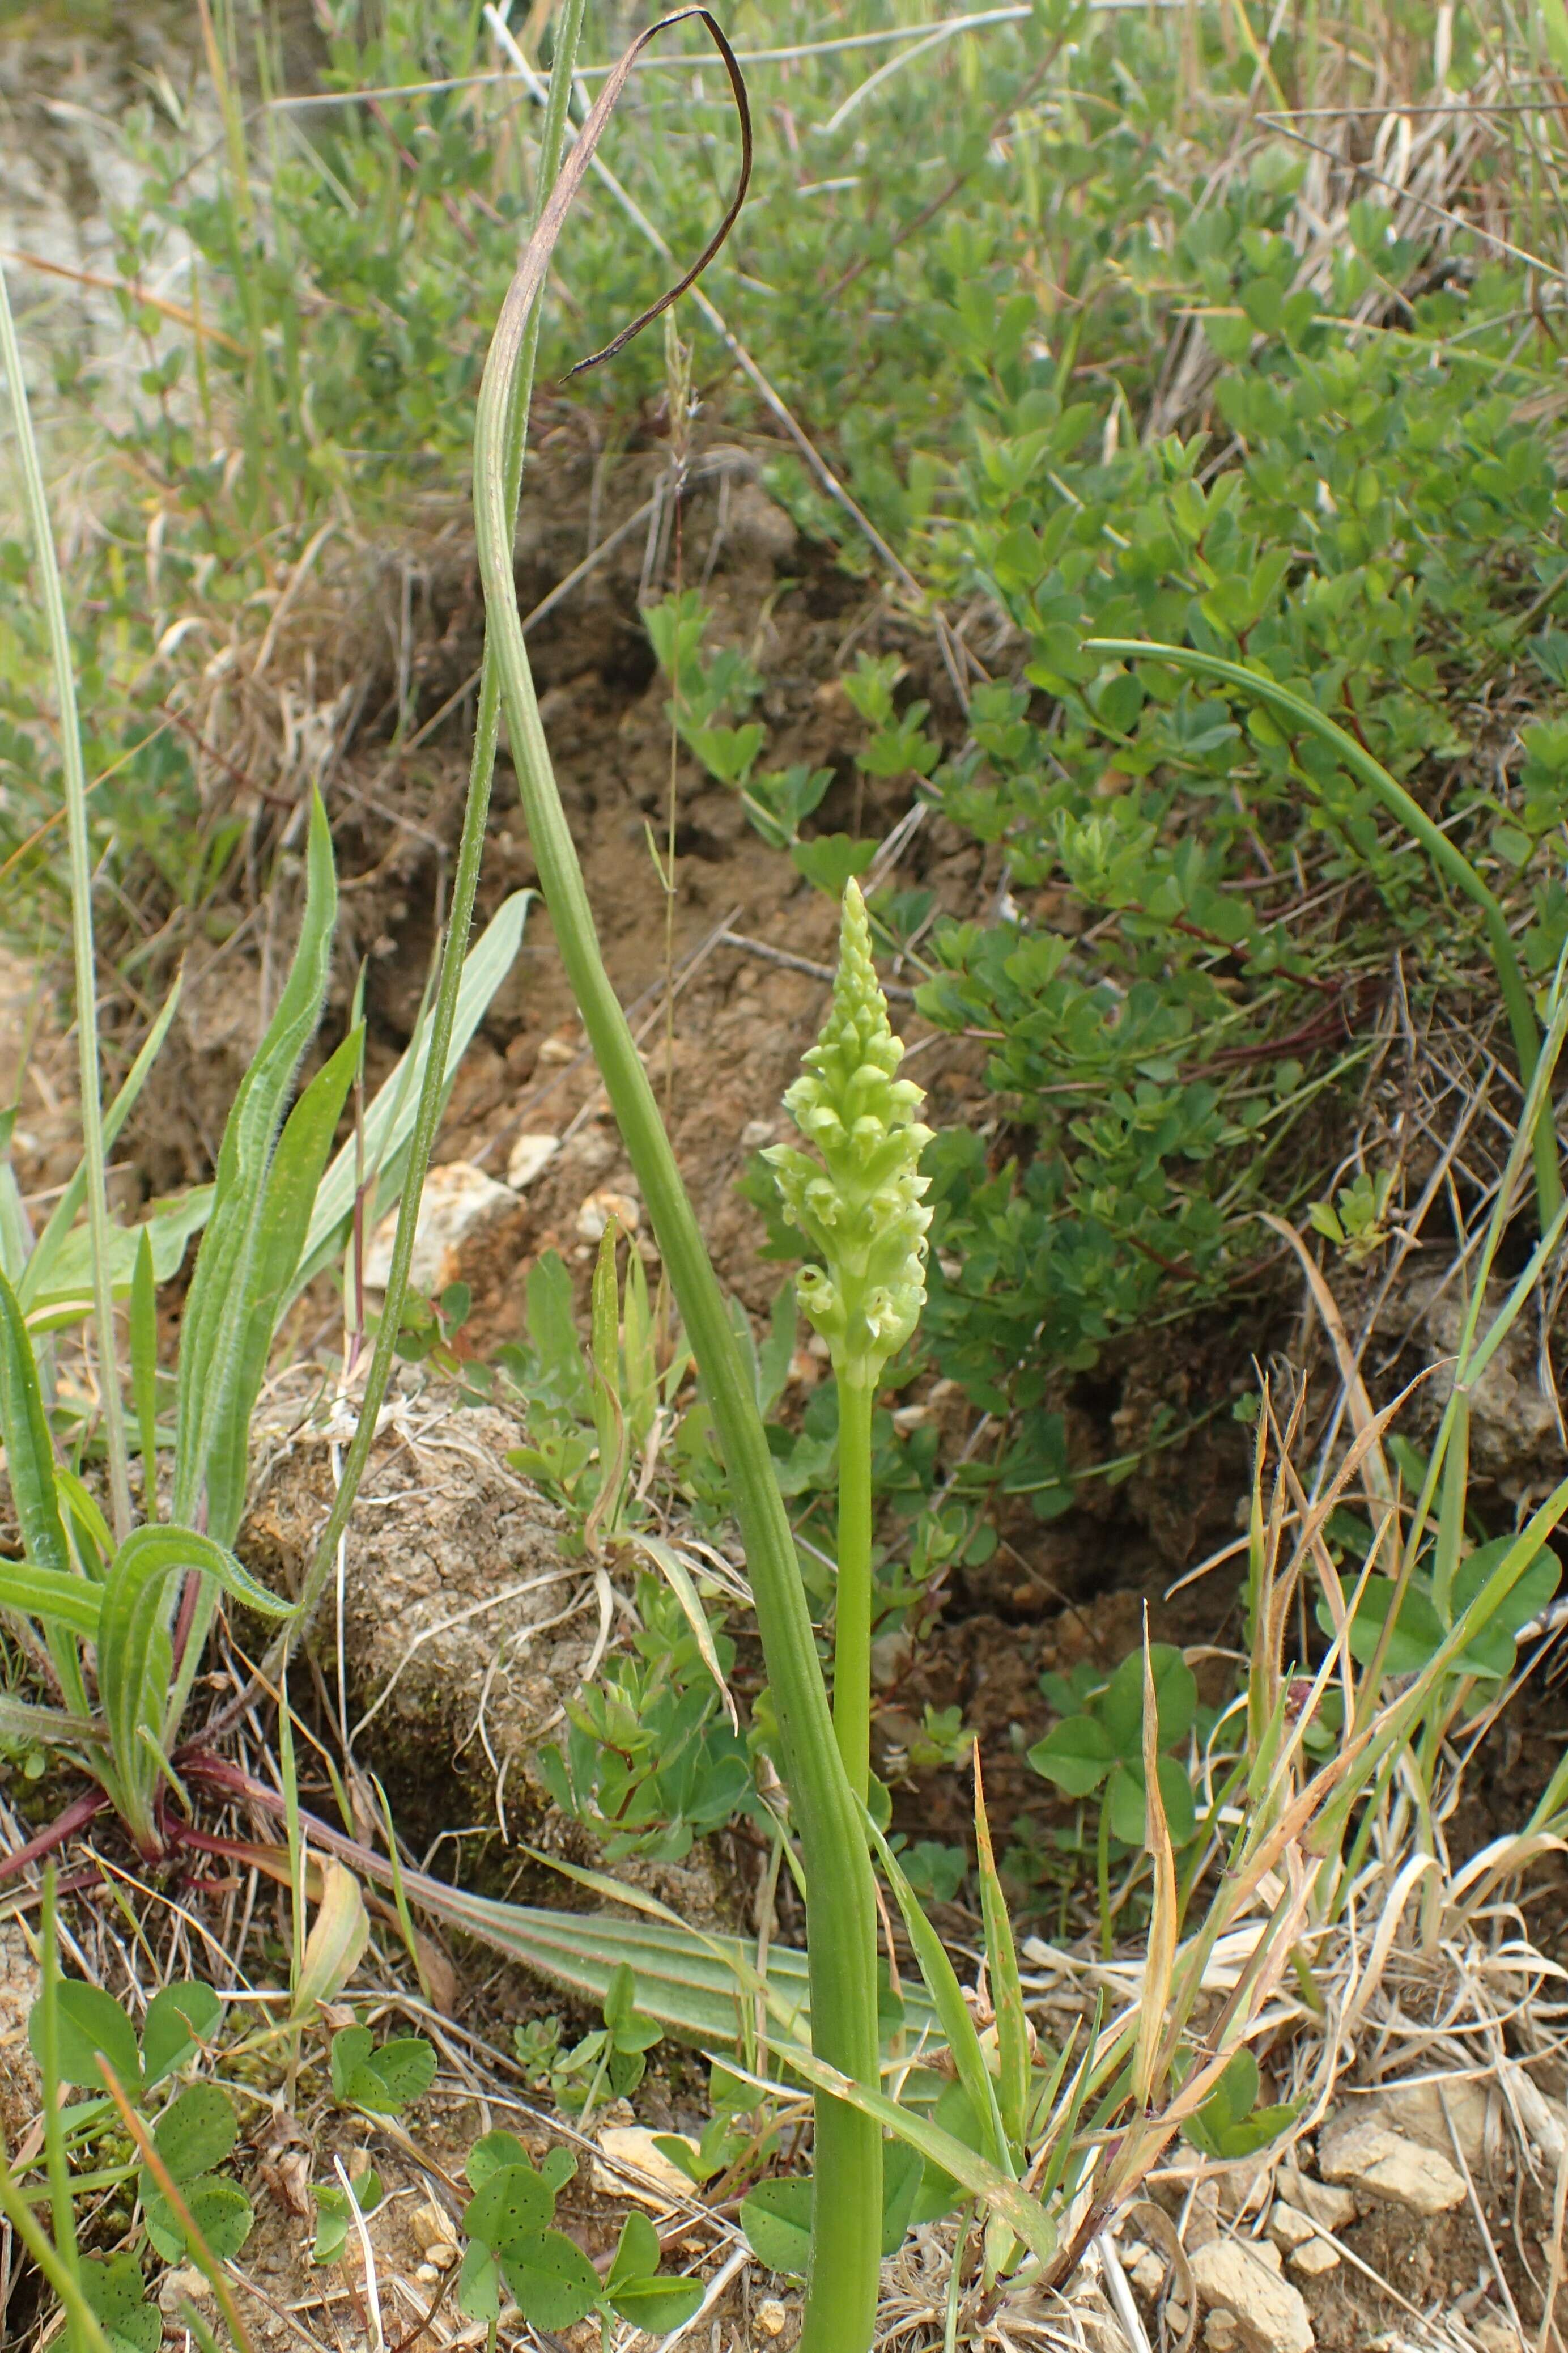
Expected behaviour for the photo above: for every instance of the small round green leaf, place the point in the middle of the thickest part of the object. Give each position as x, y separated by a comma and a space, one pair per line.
196, 2131
514, 2202
88, 2021
776, 2219
554, 2284
178, 2019
490, 2154
1076, 1754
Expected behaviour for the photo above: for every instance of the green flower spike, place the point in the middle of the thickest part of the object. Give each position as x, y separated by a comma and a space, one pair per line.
865, 1212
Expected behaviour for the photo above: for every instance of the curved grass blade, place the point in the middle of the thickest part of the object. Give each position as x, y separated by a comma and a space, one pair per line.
35, 1494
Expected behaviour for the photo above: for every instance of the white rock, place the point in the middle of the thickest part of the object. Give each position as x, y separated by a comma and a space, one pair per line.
1221, 2333
1269, 2314
1331, 2208
458, 1199
756, 1132
1416, 2111
1289, 2226
1145, 2270
531, 1157
633, 2145
1313, 2258
560, 1049
771, 2316
433, 2229
599, 1209
176, 2286
1371, 2158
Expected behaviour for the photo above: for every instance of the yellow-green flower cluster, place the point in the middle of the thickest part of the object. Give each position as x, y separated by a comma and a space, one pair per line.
864, 1211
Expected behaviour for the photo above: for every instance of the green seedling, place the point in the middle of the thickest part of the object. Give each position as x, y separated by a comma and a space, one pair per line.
335, 2208
612, 2057
77, 2033
511, 2244
1231, 2124
384, 2078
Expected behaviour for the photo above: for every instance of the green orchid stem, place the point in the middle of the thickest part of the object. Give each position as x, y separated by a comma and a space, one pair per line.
852, 1617
1298, 712
841, 1914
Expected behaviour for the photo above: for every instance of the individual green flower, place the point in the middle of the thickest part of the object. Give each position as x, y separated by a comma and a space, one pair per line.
864, 1211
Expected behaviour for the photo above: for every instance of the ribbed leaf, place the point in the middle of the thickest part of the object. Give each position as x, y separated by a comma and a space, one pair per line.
40, 1266
389, 1121
133, 1661
30, 1467
291, 1187
54, 1597
214, 1330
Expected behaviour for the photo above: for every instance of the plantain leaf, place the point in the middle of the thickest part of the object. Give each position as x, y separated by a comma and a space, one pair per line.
213, 1336
291, 1186
133, 1640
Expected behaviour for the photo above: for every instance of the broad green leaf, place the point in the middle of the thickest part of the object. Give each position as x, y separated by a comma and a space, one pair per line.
553, 2281
557, 2166
117, 2293
902, 2169
1175, 1696
512, 2204
53, 1596
89, 2022
221, 2213
479, 2284
489, 2155
197, 2131
65, 1295
1417, 1634
832, 860
1077, 1755
637, 2253
383, 2080
658, 2304
389, 1120
776, 2220
1491, 1648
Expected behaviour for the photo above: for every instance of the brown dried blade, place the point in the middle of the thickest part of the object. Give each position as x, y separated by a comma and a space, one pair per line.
541, 244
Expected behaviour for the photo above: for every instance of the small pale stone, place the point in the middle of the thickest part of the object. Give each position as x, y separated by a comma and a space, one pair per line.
633, 2146
1371, 2158
427, 2274
1331, 2208
457, 1200
559, 1050
1269, 2315
599, 1209
443, 2254
531, 1157
770, 2316
1314, 2258
1176, 2318
174, 2287
1289, 2228
432, 2228
1493, 2334
1146, 2272
1220, 2332
756, 1132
